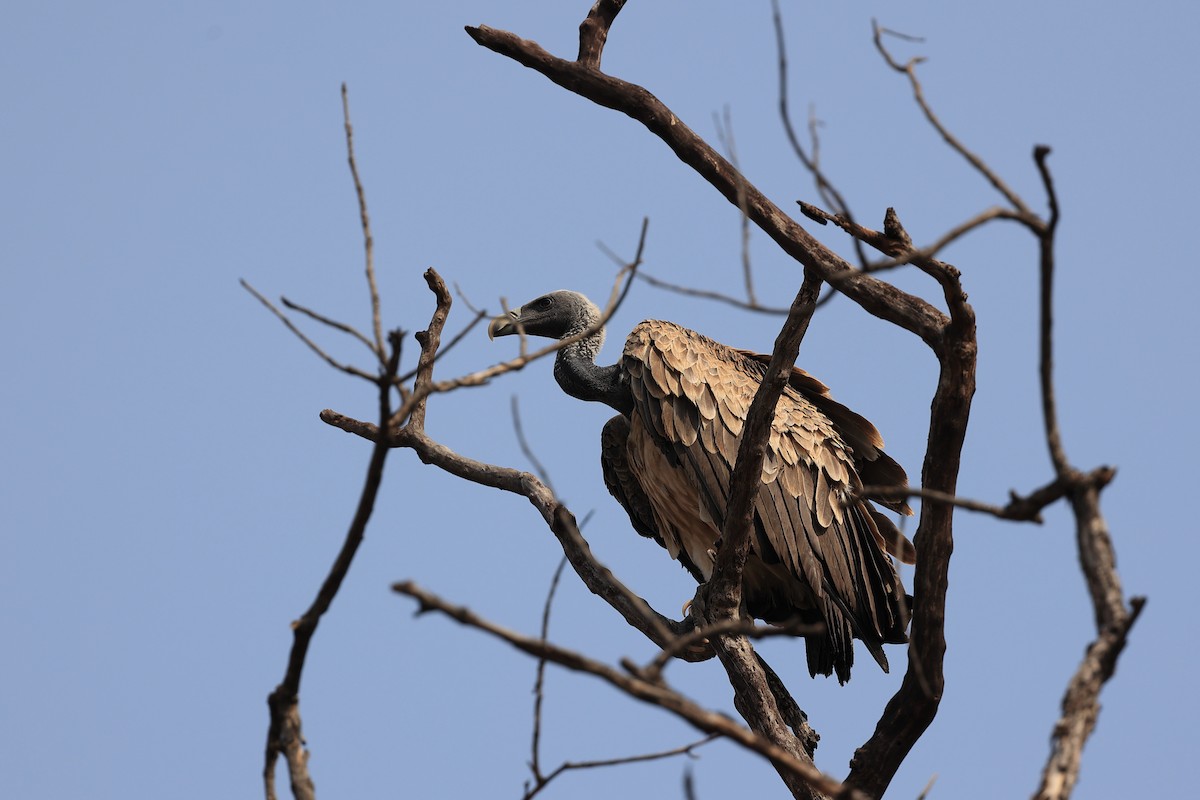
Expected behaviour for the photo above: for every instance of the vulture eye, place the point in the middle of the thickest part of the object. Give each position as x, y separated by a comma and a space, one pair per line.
543, 302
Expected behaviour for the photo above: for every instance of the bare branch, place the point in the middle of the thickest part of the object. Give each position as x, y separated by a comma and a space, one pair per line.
1081, 707
878, 298
349, 369
720, 598
539, 682
324, 320
284, 735
725, 136
1097, 559
430, 339
527, 451
953, 340
566, 766
733, 627
593, 31
480, 315
828, 192
368, 240
724, 587
1018, 509
1058, 456
910, 69
948, 238
657, 694
596, 577
423, 389
658, 283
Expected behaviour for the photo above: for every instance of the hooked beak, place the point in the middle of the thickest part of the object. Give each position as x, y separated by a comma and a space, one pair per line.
504, 326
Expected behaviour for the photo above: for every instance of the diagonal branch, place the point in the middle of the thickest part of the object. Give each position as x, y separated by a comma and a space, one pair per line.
877, 297
349, 369
284, 736
724, 588
636, 611
720, 599
709, 722
332, 323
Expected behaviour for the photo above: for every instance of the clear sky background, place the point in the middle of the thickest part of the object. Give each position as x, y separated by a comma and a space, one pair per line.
169, 500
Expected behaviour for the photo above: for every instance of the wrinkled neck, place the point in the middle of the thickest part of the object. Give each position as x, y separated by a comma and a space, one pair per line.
577, 373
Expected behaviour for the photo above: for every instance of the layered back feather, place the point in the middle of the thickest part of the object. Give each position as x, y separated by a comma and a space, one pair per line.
819, 552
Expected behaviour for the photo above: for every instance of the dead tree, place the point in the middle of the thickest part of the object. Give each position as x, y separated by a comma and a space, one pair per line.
775, 727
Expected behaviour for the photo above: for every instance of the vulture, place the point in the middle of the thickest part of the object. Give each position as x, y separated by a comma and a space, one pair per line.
819, 552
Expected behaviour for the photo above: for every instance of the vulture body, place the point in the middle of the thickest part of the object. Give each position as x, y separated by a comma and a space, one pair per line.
818, 552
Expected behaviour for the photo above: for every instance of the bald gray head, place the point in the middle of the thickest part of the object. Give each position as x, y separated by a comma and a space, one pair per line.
559, 315
556, 315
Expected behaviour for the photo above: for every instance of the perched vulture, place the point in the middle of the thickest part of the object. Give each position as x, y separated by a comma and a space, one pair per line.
818, 552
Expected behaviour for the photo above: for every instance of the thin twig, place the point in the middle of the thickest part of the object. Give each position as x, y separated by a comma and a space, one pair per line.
466, 301
368, 240
658, 283
539, 680
349, 369
910, 69
1058, 456
1019, 509
621, 286
685, 750
725, 136
828, 192
526, 450
324, 320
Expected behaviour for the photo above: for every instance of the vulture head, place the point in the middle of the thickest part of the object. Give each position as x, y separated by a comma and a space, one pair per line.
560, 315
556, 315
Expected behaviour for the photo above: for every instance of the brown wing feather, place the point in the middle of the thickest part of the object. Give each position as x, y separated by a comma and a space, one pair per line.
875, 467
691, 395
624, 486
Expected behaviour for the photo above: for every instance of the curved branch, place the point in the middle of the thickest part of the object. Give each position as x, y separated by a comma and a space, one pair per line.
877, 297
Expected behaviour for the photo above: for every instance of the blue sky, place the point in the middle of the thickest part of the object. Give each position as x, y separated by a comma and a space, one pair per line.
169, 500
